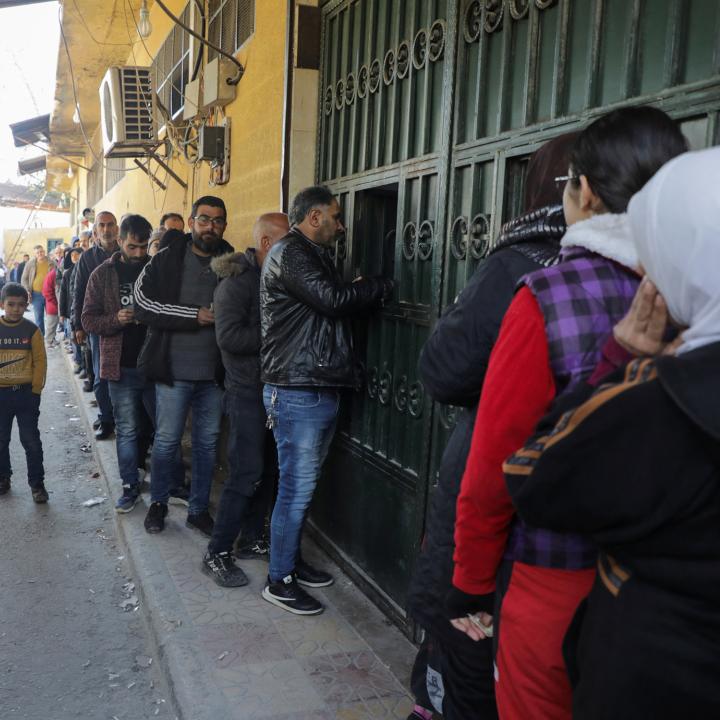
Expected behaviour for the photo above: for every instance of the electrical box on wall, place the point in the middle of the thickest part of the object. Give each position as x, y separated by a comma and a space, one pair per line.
216, 90
211, 143
192, 99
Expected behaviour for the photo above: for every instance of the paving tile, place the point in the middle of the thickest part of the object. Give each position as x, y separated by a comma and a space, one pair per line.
322, 634
387, 708
268, 690
230, 646
346, 678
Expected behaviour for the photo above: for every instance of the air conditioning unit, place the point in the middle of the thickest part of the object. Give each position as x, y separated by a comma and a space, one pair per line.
128, 112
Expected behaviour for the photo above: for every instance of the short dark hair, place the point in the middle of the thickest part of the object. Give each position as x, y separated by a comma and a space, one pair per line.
167, 216
26, 255
85, 210
13, 289
135, 225
622, 150
306, 200
210, 200
169, 238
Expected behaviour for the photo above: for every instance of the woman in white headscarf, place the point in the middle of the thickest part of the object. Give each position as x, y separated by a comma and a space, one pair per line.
636, 466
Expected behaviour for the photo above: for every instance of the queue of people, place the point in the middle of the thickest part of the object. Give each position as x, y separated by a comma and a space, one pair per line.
570, 557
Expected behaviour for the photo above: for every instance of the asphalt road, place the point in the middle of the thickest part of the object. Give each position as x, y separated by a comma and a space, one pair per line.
71, 643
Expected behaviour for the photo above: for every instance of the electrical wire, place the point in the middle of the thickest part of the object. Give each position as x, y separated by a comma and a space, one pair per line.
232, 58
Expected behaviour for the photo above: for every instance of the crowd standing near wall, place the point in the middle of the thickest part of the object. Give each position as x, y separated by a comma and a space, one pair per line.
571, 549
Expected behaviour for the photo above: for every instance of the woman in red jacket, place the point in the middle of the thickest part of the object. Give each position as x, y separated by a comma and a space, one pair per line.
550, 341
51, 307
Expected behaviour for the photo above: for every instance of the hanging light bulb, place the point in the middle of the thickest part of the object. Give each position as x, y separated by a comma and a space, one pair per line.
144, 26
70, 172
76, 115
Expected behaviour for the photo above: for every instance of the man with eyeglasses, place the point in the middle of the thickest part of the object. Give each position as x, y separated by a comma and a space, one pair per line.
173, 297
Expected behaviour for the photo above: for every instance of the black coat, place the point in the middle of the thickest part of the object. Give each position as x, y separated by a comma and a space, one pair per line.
157, 294
237, 317
452, 367
88, 261
637, 468
305, 307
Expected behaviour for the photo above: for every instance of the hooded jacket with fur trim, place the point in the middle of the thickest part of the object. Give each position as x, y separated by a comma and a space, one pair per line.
237, 317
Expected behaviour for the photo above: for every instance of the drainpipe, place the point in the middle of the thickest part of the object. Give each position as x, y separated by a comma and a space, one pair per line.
287, 106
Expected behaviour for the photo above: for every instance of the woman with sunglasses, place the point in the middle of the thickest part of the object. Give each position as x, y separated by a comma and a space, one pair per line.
529, 580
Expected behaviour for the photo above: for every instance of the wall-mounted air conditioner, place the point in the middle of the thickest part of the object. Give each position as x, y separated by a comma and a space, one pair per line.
128, 112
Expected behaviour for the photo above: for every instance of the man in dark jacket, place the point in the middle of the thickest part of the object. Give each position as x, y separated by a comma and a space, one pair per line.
252, 457
173, 297
65, 302
306, 358
108, 312
105, 233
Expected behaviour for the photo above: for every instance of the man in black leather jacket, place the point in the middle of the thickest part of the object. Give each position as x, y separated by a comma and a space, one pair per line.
306, 358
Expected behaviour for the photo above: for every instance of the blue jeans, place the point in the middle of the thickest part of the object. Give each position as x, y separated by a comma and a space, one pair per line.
21, 403
252, 469
303, 424
100, 387
38, 306
129, 395
204, 398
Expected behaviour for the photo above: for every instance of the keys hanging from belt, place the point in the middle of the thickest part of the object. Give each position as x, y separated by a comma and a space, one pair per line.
271, 419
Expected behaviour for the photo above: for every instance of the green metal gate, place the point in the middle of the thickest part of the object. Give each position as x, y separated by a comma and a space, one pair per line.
429, 110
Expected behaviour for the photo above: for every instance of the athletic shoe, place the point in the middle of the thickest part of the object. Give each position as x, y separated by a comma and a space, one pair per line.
39, 494
222, 569
128, 499
288, 595
312, 577
253, 550
179, 496
97, 424
201, 521
155, 518
82, 375
87, 386
4, 485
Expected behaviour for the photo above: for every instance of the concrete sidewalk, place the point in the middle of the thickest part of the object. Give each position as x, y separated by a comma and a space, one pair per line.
229, 654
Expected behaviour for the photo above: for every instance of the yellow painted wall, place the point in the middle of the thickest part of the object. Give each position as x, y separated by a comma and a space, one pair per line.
32, 237
256, 117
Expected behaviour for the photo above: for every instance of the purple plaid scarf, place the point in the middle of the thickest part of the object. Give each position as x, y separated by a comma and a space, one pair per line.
581, 299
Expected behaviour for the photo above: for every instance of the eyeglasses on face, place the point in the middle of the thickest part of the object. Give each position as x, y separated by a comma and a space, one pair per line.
562, 180
207, 220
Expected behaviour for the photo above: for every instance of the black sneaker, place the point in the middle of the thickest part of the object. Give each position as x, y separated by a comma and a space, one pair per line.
179, 496
87, 386
288, 595
4, 485
97, 424
253, 550
155, 518
39, 495
202, 522
312, 577
222, 569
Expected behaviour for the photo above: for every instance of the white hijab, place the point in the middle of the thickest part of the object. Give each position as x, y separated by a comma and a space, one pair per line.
675, 222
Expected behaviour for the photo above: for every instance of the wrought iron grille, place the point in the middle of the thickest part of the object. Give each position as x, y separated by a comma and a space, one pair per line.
231, 23
171, 65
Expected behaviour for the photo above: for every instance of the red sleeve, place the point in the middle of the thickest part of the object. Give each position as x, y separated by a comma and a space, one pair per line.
613, 356
518, 390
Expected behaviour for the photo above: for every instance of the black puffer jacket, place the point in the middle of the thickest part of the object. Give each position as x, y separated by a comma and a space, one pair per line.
452, 367
237, 317
305, 305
